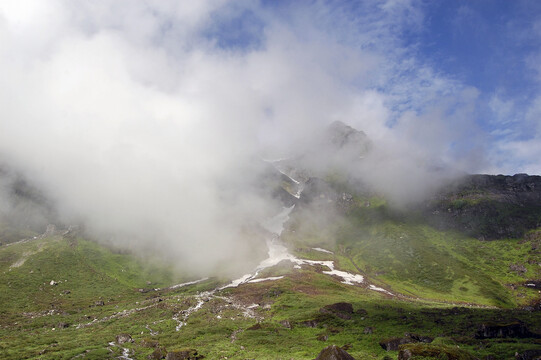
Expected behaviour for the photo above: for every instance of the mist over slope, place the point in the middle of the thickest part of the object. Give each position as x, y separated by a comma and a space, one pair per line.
142, 124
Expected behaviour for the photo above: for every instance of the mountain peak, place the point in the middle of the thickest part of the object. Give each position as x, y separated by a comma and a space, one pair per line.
343, 136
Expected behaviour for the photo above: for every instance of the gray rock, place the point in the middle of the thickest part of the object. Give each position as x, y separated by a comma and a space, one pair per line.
123, 338
333, 352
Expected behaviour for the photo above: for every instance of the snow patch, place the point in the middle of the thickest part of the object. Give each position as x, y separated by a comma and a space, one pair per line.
347, 278
266, 279
125, 354
278, 252
183, 284
375, 288
322, 250
290, 178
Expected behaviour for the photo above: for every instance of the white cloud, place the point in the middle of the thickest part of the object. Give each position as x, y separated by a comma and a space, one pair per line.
136, 121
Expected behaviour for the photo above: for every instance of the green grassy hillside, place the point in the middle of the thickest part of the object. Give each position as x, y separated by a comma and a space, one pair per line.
404, 254
100, 294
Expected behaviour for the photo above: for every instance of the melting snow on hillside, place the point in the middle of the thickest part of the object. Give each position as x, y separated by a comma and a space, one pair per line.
278, 253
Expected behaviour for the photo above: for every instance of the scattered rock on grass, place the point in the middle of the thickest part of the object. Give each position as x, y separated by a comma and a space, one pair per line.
333, 352
392, 344
310, 323
123, 338
158, 354
186, 354
286, 324
149, 343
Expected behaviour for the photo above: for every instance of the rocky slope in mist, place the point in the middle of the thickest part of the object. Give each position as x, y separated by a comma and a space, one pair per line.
483, 206
489, 206
24, 210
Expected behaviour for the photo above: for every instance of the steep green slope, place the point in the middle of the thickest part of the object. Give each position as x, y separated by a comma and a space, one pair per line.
402, 252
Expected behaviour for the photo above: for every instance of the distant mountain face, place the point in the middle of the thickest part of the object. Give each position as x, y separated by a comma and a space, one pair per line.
483, 206
344, 138
488, 206
24, 210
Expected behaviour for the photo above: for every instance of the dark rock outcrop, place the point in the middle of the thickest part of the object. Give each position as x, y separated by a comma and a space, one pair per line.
158, 354
255, 327
412, 351
529, 355
342, 310
392, 344
334, 352
488, 206
185, 354
310, 323
508, 330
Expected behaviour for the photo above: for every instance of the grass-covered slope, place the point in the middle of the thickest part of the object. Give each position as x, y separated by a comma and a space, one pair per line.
98, 296
411, 257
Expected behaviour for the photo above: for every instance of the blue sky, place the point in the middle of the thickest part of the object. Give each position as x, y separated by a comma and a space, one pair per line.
491, 47
455, 83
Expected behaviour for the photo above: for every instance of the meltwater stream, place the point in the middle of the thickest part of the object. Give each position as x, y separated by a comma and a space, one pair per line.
278, 252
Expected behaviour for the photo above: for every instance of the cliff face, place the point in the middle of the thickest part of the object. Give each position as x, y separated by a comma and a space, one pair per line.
488, 206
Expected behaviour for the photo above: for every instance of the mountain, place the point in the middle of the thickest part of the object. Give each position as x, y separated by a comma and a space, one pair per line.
455, 275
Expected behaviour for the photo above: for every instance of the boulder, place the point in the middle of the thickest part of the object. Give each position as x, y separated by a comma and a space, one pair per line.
123, 338
333, 352
368, 330
419, 338
286, 324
